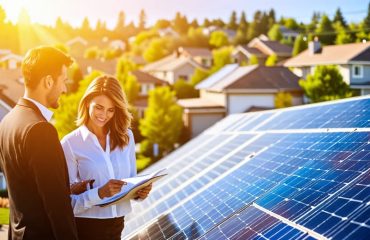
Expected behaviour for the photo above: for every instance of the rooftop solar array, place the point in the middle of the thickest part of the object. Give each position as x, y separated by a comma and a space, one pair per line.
296, 173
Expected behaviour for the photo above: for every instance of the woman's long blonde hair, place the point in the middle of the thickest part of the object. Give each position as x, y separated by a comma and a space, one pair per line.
121, 121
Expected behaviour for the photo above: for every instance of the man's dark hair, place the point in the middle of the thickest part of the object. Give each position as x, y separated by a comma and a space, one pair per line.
42, 61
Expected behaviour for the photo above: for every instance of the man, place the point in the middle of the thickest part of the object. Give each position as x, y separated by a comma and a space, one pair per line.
31, 156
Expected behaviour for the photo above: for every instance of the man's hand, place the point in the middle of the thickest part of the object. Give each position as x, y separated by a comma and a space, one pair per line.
80, 187
143, 193
112, 187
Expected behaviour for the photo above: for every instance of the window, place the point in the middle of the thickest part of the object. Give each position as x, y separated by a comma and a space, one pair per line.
184, 77
357, 71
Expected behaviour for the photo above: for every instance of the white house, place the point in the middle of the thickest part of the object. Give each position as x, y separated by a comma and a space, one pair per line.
352, 60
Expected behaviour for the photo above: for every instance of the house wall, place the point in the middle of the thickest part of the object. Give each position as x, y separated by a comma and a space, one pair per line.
218, 98
365, 74
200, 122
345, 72
167, 76
185, 70
238, 103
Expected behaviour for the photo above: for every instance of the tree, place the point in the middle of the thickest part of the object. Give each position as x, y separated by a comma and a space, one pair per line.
162, 123
198, 76
271, 60
75, 74
221, 57
291, 23
142, 19
196, 38
240, 37
275, 33
243, 24
2, 15
233, 25
283, 99
325, 31
272, 18
184, 90
194, 24
120, 25
299, 45
253, 60
342, 35
180, 24
325, 84
157, 49
366, 23
131, 87
339, 18
218, 39
62, 47
91, 53
162, 23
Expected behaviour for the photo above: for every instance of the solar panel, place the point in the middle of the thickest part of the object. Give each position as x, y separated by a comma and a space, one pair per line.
308, 180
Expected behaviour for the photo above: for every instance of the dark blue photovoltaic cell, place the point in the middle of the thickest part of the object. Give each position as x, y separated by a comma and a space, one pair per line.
241, 121
252, 223
346, 215
350, 114
274, 179
163, 191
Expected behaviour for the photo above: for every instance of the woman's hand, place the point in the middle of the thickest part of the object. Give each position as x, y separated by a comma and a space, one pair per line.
112, 187
80, 187
143, 193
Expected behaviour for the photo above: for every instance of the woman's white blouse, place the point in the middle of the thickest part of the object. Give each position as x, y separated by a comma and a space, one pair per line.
87, 160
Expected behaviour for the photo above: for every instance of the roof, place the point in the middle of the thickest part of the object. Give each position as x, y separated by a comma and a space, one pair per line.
333, 54
143, 77
216, 77
108, 66
11, 56
170, 63
196, 52
196, 103
254, 77
270, 47
249, 50
287, 31
11, 87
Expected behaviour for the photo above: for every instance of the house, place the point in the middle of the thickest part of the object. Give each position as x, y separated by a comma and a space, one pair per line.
147, 82
88, 65
262, 48
288, 34
228, 32
236, 89
168, 32
9, 60
173, 67
202, 56
352, 60
78, 45
11, 86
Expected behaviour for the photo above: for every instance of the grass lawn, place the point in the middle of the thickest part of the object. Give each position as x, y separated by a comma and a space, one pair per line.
4, 216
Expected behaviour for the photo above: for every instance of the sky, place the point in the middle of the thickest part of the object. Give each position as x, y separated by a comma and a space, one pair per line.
73, 11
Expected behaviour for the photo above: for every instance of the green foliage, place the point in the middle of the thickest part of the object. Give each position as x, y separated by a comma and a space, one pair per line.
163, 119
145, 36
180, 23
218, 39
142, 163
275, 33
157, 49
91, 53
253, 60
299, 45
142, 19
111, 53
325, 84
283, 99
2, 15
162, 23
4, 216
243, 24
195, 37
291, 24
131, 87
325, 31
366, 22
198, 76
339, 18
271, 60
184, 90
342, 36
221, 57
233, 21
240, 37
75, 75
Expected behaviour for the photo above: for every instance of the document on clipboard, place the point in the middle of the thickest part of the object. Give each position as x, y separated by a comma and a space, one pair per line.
133, 185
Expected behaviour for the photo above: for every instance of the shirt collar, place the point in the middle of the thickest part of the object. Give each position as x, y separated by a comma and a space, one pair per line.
85, 132
44, 110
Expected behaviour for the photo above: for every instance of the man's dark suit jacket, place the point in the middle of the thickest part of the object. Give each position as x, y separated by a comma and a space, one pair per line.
34, 165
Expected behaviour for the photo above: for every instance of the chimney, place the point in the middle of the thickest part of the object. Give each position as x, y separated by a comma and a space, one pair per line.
314, 47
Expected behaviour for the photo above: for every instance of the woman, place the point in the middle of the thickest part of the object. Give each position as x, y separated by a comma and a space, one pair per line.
100, 152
